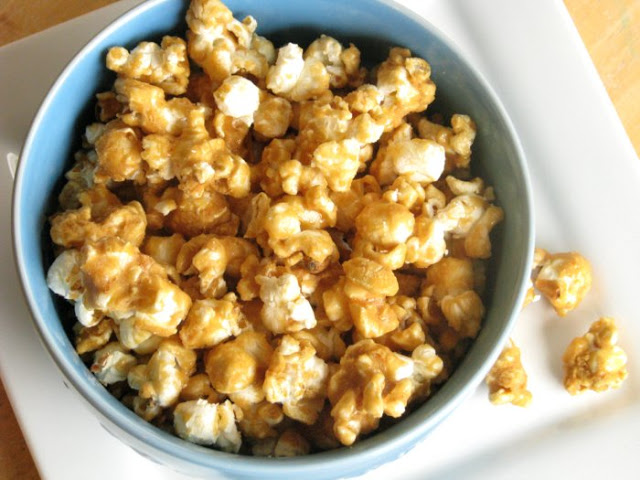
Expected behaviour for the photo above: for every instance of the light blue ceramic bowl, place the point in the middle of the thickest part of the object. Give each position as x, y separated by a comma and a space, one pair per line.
373, 25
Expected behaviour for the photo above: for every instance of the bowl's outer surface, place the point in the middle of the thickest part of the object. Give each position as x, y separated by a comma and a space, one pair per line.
373, 26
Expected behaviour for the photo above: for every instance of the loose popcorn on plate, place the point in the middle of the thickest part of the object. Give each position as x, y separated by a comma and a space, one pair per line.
594, 361
273, 250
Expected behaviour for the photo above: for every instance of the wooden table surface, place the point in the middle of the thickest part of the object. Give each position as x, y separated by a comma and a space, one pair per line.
609, 28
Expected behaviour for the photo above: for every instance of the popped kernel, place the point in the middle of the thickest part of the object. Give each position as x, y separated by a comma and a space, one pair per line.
204, 423
456, 140
507, 379
239, 364
373, 381
285, 309
101, 215
165, 65
238, 97
112, 363
594, 361
160, 381
297, 379
564, 279
211, 321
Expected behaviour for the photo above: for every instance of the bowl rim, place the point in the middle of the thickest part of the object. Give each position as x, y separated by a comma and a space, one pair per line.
370, 451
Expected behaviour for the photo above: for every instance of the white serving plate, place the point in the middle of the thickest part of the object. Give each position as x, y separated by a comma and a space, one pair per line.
586, 181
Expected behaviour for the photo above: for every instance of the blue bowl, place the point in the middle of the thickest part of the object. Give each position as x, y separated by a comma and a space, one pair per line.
374, 26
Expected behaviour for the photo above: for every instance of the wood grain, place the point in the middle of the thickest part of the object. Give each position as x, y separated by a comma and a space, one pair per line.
610, 30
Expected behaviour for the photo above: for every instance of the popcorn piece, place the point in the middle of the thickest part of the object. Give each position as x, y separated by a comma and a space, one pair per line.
457, 140
204, 423
239, 364
199, 387
420, 161
205, 256
280, 174
195, 215
120, 280
273, 116
292, 227
283, 76
451, 283
118, 151
450, 276
371, 381
101, 215
285, 309
297, 378
507, 379
410, 332
222, 45
147, 108
238, 97
382, 228
477, 243
564, 279
79, 179
163, 250
358, 299
407, 193
594, 361
406, 85
295, 78
165, 65
156, 154
343, 65
211, 257
320, 434
327, 118
111, 363
135, 338
161, 379
88, 339
363, 191
338, 162
325, 340
260, 419
210, 322
200, 161
427, 368
427, 245
234, 132
63, 276
464, 312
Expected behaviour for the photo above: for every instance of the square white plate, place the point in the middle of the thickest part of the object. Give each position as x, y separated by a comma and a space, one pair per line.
586, 180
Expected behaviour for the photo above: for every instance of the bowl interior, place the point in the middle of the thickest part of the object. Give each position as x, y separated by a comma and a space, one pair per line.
373, 26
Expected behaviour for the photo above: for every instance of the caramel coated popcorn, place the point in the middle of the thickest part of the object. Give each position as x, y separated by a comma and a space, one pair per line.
507, 379
271, 250
563, 279
594, 361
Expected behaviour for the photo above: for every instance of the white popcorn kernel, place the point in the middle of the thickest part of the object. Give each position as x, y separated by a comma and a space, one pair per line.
284, 75
284, 309
63, 277
204, 423
238, 97
111, 364
86, 316
421, 160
